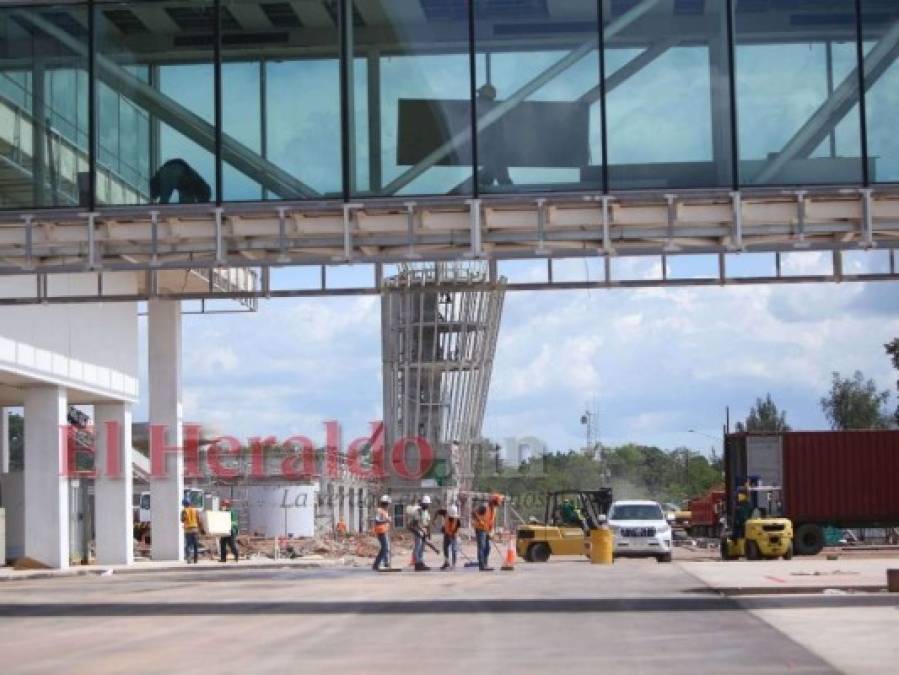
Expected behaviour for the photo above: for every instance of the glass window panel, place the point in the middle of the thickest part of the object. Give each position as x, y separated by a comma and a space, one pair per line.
156, 102
415, 98
797, 96
667, 95
537, 101
880, 26
43, 106
280, 100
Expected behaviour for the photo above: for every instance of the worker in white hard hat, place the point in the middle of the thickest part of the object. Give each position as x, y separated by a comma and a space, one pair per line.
451, 523
382, 528
420, 526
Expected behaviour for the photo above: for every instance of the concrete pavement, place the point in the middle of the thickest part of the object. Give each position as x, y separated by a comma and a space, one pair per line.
738, 577
636, 616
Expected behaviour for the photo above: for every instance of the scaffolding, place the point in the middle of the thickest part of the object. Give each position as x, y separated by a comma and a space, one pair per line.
439, 324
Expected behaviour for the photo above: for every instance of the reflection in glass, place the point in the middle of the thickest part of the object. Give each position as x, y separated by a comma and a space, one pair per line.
797, 92
413, 100
538, 99
43, 107
668, 96
155, 102
280, 101
880, 35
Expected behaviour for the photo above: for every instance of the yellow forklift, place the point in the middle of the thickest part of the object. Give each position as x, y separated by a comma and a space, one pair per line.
565, 530
755, 528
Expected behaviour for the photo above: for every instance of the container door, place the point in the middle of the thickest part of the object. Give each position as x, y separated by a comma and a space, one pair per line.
764, 459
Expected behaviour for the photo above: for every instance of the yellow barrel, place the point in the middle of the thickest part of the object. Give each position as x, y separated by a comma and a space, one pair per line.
601, 546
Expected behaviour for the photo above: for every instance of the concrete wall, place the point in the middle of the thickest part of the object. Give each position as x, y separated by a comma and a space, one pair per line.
91, 346
2, 536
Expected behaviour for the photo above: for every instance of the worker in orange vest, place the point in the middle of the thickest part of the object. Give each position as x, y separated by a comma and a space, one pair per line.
484, 519
190, 518
451, 525
341, 527
382, 527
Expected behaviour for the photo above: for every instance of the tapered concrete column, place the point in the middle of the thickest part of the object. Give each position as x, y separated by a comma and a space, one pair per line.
46, 486
4, 441
113, 513
166, 491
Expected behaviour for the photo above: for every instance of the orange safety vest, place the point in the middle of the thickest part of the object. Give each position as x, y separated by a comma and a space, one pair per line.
191, 519
384, 525
486, 520
451, 526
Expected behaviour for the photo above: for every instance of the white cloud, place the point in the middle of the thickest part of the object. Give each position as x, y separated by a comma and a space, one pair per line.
659, 361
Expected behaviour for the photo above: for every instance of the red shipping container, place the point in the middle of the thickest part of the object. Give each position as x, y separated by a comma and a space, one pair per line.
844, 478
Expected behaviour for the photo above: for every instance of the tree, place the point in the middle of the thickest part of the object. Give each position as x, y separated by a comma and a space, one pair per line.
855, 403
16, 442
893, 350
764, 416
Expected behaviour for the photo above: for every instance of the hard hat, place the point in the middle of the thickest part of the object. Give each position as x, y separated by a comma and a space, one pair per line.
453, 512
385, 499
496, 499
425, 500
185, 502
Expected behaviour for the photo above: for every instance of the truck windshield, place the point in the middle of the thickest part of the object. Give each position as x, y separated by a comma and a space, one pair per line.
636, 512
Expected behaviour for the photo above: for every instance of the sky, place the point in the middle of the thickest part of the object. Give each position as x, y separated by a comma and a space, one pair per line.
658, 362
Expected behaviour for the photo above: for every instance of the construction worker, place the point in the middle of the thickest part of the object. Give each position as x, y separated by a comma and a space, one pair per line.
229, 542
341, 527
420, 526
190, 518
382, 527
451, 523
742, 513
572, 515
484, 519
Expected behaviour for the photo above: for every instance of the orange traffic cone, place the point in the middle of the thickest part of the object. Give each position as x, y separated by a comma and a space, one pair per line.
509, 563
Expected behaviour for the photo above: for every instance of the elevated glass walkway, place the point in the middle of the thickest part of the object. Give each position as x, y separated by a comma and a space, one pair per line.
260, 133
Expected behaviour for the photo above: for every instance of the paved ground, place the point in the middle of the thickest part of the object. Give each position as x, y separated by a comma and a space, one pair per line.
775, 576
636, 617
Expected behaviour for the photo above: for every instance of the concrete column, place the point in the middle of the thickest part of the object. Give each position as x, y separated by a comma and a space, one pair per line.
46, 486
113, 506
166, 491
4, 441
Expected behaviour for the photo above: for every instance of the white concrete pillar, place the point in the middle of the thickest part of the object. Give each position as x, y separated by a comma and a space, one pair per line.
166, 491
46, 485
4, 440
113, 506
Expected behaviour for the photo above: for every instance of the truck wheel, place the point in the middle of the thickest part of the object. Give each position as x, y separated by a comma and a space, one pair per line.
809, 539
788, 554
752, 550
539, 552
664, 558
